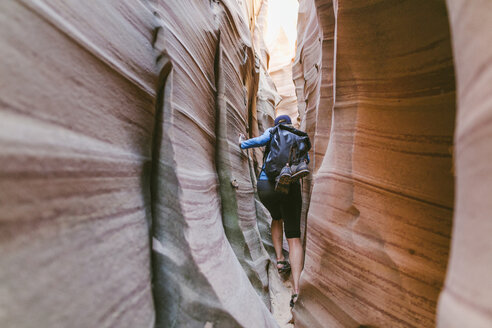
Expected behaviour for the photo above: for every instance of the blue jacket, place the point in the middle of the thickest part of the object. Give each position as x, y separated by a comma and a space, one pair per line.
260, 141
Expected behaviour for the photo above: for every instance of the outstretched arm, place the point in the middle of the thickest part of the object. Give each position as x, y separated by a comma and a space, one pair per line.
258, 141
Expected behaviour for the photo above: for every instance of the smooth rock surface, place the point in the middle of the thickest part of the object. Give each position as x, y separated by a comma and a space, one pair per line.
118, 132
76, 117
308, 72
282, 52
467, 297
379, 221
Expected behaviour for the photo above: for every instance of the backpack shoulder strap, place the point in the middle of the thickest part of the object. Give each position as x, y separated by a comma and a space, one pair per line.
292, 130
267, 147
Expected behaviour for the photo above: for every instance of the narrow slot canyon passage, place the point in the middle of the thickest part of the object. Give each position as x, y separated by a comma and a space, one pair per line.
126, 201
280, 37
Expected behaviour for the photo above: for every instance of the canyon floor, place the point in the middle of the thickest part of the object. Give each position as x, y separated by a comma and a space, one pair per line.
280, 291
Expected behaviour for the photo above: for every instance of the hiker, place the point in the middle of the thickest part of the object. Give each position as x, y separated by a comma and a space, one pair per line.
284, 164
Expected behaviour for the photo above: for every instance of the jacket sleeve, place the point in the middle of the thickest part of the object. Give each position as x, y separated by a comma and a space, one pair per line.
258, 141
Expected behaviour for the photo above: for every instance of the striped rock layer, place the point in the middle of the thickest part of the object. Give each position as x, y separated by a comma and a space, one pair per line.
376, 82
124, 198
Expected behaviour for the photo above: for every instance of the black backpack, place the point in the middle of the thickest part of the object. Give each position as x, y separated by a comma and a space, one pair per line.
287, 145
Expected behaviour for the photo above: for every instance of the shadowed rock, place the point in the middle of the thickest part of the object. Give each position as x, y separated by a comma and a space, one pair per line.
108, 131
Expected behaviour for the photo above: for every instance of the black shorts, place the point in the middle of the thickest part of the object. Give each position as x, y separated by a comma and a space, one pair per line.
285, 207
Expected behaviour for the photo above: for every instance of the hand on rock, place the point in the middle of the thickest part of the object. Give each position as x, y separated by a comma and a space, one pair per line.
241, 139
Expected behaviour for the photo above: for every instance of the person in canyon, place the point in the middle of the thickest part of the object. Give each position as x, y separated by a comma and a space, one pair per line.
281, 195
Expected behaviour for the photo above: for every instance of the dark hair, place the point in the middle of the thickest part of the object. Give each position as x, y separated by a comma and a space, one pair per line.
285, 119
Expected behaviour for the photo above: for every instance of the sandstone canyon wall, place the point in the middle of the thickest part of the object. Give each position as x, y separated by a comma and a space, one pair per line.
280, 70
466, 300
118, 134
379, 221
76, 118
279, 36
307, 73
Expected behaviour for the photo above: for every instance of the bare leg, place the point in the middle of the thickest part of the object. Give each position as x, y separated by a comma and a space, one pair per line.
296, 259
277, 238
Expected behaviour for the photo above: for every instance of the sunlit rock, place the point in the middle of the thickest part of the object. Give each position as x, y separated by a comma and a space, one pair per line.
280, 36
379, 221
